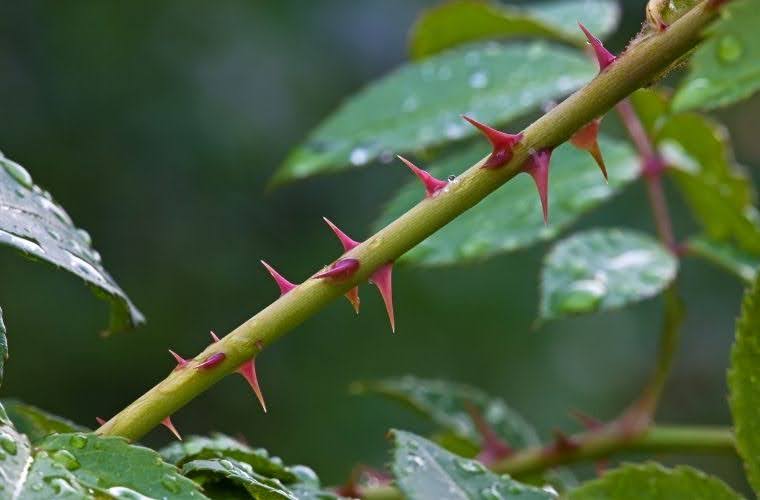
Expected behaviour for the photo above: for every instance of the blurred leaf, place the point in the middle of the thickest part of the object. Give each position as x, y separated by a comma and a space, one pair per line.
744, 384
221, 446
603, 269
446, 404
652, 107
460, 21
726, 67
725, 255
3, 347
36, 423
424, 471
510, 218
654, 482
419, 105
32, 223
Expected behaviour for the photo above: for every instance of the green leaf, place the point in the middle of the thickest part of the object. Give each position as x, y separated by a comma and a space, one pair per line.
744, 384
726, 67
424, 471
654, 482
419, 105
3, 347
221, 446
603, 269
461, 21
726, 256
35, 225
36, 423
510, 218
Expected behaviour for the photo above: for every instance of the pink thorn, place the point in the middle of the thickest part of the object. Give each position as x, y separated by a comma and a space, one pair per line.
603, 56
587, 421
100, 421
538, 168
432, 185
503, 143
248, 371
348, 243
586, 138
213, 336
181, 362
382, 279
353, 298
211, 361
167, 422
341, 269
285, 285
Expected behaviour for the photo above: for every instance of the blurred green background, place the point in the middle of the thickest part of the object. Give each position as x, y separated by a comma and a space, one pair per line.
157, 125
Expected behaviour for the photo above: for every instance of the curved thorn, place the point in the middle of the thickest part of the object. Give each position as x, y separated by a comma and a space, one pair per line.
285, 285
353, 297
503, 143
348, 243
213, 336
248, 371
167, 422
341, 269
382, 279
538, 168
603, 56
587, 138
211, 361
181, 362
432, 185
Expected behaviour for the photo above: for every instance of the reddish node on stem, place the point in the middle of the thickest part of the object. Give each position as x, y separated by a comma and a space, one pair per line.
100, 420
432, 185
538, 168
341, 269
348, 243
285, 285
213, 336
563, 442
248, 371
493, 448
167, 422
587, 139
181, 362
503, 143
383, 280
603, 56
211, 361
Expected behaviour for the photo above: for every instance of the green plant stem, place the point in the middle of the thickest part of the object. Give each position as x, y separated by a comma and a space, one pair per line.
641, 63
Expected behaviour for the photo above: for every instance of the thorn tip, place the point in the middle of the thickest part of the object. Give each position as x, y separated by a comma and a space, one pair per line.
503, 143
431, 184
284, 285
603, 56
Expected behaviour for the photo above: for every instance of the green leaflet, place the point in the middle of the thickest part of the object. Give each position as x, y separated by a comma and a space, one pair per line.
3, 347
653, 482
425, 471
35, 423
32, 223
419, 105
456, 22
726, 67
603, 269
744, 384
510, 218
725, 255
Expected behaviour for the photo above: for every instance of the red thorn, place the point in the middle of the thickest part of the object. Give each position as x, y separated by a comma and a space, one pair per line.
181, 362
348, 243
503, 143
353, 298
213, 336
538, 168
341, 269
100, 421
383, 280
494, 448
432, 185
167, 422
211, 361
587, 139
603, 56
285, 285
587, 421
248, 371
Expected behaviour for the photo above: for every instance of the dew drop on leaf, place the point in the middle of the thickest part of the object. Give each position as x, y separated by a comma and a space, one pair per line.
66, 458
78, 441
8, 444
729, 49
19, 173
170, 483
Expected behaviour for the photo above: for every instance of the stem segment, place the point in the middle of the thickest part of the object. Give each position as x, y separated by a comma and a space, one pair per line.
641, 63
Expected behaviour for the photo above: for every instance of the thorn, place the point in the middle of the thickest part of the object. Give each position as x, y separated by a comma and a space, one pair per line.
181, 362
341, 269
100, 421
213, 336
503, 143
603, 56
348, 243
587, 139
167, 422
382, 279
285, 285
211, 361
538, 168
587, 421
563, 442
248, 371
432, 185
353, 298
494, 448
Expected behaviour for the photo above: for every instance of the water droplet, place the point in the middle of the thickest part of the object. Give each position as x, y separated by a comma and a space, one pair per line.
66, 458
411, 103
470, 466
8, 444
85, 268
227, 464
729, 49
490, 493
581, 296
170, 483
479, 80
122, 493
18, 172
359, 156
78, 441
455, 130
37, 487
59, 212
85, 236
451, 178
305, 474
61, 486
